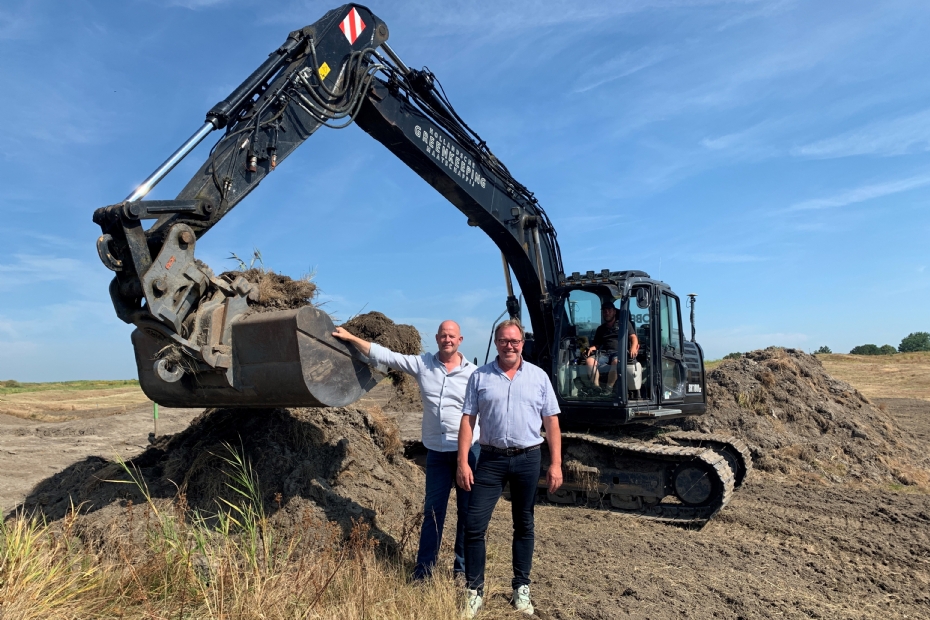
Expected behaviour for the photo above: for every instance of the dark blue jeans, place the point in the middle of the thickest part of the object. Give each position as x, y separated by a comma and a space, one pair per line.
492, 473
440, 478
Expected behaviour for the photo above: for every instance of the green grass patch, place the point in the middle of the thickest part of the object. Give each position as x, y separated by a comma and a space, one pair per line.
15, 387
711, 364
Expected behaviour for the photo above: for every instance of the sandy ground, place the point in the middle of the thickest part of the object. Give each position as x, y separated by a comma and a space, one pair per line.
31, 451
903, 375
785, 547
62, 405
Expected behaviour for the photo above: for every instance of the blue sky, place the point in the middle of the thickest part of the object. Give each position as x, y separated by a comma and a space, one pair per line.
771, 156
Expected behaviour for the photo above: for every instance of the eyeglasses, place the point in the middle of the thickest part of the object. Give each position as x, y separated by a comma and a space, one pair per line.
503, 342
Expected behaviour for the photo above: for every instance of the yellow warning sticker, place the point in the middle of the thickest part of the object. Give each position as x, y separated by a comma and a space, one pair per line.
324, 70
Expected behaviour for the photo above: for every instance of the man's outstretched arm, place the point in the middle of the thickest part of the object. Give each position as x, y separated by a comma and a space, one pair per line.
362, 345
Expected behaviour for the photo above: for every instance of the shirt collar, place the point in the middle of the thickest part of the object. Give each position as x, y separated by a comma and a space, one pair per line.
463, 364
498, 368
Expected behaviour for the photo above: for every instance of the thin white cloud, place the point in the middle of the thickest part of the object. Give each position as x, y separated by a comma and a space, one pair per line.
16, 24
862, 194
197, 4
719, 342
727, 258
493, 15
899, 136
625, 64
30, 269
67, 320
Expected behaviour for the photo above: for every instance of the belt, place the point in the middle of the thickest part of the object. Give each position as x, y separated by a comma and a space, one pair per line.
509, 451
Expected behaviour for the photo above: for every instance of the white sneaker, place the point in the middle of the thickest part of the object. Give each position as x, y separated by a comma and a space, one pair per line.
521, 600
473, 602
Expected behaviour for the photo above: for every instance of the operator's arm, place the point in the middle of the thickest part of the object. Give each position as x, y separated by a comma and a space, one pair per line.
634, 345
464, 477
596, 341
554, 439
362, 345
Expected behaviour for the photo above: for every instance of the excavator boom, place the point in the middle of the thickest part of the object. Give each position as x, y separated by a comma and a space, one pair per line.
199, 340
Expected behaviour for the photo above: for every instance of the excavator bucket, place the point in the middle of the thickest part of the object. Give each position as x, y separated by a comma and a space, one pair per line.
285, 358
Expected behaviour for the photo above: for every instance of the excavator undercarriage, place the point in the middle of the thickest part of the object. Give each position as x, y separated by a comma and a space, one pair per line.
678, 477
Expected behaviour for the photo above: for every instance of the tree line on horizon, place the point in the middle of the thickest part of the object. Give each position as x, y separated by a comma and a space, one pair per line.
916, 341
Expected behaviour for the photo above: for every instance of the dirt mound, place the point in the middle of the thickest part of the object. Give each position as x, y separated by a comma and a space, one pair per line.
405, 339
313, 464
797, 418
375, 327
275, 291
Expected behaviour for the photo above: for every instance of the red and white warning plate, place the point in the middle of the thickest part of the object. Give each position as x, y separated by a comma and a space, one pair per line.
352, 26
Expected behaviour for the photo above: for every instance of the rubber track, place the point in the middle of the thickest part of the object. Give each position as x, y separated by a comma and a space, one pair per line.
671, 513
712, 441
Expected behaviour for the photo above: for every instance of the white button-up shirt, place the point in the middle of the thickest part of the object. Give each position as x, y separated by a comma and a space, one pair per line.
442, 391
510, 411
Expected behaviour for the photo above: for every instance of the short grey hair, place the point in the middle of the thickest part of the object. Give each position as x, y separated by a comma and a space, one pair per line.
509, 323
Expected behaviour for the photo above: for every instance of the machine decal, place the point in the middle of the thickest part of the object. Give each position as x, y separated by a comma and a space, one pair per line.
324, 68
352, 26
443, 150
694, 388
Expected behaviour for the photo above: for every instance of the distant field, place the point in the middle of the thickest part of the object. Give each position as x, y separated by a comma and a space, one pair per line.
15, 387
67, 400
903, 375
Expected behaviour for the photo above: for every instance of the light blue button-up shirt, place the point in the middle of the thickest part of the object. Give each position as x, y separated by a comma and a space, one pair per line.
510, 411
442, 392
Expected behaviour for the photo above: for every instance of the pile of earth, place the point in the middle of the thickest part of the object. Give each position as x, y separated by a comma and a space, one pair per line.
275, 291
404, 339
797, 418
313, 465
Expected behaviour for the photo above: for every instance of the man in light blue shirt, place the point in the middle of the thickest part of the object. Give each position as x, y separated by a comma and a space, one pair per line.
442, 378
511, 399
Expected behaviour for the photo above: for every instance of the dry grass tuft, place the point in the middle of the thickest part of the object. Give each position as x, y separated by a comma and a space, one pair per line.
386, 433
167, 561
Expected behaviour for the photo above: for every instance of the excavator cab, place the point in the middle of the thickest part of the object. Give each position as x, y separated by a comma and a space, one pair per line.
621, 354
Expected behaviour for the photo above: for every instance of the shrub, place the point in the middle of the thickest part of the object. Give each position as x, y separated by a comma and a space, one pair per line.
918, 341
733, 356
866, 349
823, 349
887, 349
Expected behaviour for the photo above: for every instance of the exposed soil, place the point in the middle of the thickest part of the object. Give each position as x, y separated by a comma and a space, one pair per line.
336, 464
404, 339
375, 327
798, 419
64, 404
839, 533
275, 291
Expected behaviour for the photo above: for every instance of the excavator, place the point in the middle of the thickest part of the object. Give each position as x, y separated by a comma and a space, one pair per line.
199, 343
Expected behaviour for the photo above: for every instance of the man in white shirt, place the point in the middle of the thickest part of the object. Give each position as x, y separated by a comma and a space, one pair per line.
511, 399
442, 378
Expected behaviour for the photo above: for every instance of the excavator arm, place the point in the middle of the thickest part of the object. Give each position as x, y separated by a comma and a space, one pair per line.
198, 341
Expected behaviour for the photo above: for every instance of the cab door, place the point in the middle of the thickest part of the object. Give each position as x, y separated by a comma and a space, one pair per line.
671, 350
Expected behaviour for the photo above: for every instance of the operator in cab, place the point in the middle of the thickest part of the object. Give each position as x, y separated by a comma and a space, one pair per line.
602, 354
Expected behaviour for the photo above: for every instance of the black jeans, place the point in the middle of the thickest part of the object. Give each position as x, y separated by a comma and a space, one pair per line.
440, 478
492, 473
